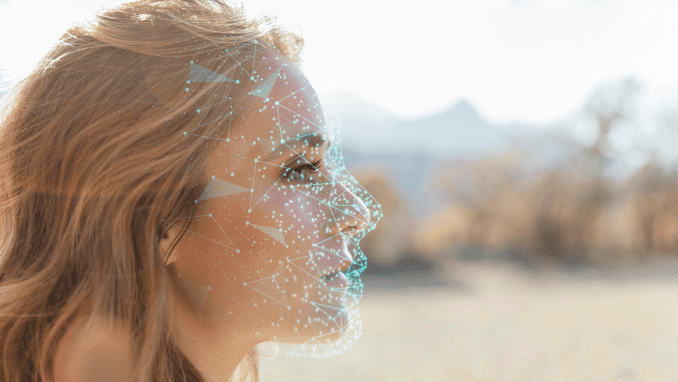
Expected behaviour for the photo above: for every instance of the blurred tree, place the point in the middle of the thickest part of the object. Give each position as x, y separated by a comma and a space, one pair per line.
609, 106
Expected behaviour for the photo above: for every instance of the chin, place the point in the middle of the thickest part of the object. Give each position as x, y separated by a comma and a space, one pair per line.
323, 336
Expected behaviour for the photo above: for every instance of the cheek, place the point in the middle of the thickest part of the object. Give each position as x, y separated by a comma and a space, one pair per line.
264, 256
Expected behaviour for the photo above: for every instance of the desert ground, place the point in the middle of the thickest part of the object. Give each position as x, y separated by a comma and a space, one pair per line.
478, 321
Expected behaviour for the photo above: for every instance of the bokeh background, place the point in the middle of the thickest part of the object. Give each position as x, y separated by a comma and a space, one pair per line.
525, 156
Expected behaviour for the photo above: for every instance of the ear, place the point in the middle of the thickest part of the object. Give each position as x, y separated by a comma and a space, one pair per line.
166, 239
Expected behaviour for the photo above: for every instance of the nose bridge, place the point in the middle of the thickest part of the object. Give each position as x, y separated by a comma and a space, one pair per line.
350, 211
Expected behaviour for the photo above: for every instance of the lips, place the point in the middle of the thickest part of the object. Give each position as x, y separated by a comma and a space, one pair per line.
341, 267
336, 268
336, 280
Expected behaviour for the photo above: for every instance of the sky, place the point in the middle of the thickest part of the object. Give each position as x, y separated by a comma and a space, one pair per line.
532, 61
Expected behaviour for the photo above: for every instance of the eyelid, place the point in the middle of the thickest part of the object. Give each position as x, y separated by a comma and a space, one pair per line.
295, 173
302, 161
293, 161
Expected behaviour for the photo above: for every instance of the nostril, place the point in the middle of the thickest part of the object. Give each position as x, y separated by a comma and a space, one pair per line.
350, 230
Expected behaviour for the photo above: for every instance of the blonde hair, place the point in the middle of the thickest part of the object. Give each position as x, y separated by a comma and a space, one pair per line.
93, 166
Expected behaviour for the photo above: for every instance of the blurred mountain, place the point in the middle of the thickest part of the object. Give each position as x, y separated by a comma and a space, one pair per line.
412, 152
5, 85
457, 130
3, 91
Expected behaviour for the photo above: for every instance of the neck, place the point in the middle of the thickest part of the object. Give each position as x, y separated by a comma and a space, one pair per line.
216, 349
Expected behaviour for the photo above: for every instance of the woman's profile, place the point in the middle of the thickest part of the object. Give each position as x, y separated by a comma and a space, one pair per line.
173, 199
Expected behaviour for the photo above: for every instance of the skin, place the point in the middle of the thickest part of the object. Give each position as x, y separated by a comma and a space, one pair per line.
250, 268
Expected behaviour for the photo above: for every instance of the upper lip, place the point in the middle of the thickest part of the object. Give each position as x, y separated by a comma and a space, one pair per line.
339, 260
343, 267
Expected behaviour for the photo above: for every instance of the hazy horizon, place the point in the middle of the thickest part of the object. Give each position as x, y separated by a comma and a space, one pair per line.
531, 60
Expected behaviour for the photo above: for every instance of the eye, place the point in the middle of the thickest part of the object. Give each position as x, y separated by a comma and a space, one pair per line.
303, 172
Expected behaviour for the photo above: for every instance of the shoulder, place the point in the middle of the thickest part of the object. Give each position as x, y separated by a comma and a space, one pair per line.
98, 353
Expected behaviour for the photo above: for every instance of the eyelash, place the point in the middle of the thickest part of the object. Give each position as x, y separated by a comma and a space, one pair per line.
304, 173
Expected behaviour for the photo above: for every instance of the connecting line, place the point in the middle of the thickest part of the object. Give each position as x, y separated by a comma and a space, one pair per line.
222, 231
333, 289
223, 116
340, 310
226, 99
254, 176
350, 205
328, 239
300, 116
276, 285
298, 154
236, 61
345, 213
205, 136
254, 60
317, 278
342, 193
332, 207
293, 93
350, 214
313, 197
207, 107
212, 240
192, 100
215, 95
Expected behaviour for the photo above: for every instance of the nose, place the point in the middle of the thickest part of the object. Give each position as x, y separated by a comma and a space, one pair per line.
349, 212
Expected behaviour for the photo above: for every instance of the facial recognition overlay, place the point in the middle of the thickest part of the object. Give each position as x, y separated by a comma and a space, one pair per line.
274, 251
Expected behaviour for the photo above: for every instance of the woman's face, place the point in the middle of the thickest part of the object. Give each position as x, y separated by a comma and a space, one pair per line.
273, 251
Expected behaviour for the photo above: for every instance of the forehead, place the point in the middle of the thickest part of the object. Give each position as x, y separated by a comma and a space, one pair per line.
285, 106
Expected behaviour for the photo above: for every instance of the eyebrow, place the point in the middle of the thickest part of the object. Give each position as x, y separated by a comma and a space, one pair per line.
311, 140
